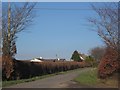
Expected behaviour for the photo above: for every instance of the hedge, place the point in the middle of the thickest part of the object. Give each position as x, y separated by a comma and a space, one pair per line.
27, 69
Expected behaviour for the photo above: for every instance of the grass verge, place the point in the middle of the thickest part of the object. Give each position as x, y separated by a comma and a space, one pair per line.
13, 82
88, 78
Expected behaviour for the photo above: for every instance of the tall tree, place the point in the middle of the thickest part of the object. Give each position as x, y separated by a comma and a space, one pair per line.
0, 36
97, 52
106, 25
14, 20
76, 56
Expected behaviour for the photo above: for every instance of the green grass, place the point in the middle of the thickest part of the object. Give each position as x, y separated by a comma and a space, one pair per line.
88, 77
13, 82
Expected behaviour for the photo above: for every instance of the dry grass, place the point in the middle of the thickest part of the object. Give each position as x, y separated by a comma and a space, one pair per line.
111, 82
91, 79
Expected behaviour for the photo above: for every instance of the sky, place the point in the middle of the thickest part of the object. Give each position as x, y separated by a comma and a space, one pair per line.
58, 29
60, 0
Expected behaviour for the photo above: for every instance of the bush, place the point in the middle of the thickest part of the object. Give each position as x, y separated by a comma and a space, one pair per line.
108, 64
90, 61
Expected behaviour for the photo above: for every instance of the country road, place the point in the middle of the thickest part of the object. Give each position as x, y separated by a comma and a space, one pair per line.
58, 81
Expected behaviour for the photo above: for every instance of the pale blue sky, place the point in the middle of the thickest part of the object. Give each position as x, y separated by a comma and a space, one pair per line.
58, 31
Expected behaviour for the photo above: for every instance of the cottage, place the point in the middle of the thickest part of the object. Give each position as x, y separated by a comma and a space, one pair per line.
82, 56
62, 60
36, 60
40, 59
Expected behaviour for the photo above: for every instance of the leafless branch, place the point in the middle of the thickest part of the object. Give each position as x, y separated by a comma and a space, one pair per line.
107, 24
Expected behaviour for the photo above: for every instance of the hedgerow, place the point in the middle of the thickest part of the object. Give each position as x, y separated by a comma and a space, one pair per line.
27, 69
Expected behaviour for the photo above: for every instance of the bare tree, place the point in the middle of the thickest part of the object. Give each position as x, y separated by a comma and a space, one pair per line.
97, 53
0, 29
14, 20
107, 24
107, 28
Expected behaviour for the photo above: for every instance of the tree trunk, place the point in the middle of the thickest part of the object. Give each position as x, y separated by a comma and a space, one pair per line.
7, 67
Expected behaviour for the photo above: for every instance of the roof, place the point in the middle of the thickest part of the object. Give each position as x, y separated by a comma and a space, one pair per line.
36, 60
